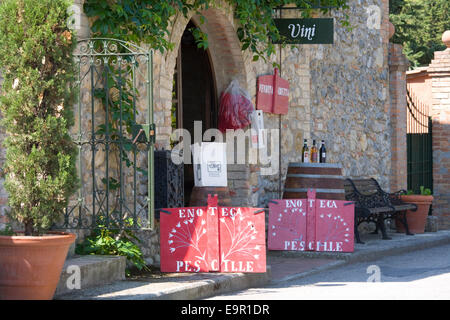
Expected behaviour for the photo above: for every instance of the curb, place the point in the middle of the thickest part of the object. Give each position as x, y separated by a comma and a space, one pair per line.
197, 287
222, 284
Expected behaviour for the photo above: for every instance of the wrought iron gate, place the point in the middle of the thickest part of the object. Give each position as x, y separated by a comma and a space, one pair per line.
419, 144
114, 132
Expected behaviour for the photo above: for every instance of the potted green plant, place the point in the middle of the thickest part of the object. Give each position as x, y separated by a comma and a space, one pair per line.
36, 63
416, 219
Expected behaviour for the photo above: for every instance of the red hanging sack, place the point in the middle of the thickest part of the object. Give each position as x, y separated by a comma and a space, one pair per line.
235, 108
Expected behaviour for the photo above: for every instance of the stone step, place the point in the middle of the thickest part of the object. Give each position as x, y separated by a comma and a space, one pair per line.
83, 272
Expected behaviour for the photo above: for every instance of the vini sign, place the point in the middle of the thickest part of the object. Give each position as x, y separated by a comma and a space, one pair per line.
311, 224
306, 31
213, 238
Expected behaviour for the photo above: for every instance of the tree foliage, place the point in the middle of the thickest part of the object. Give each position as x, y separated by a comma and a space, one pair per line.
36, 62
149, 20
419, 25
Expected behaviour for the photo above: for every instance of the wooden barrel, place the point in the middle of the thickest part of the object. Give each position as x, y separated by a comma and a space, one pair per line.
326, 178
199, 196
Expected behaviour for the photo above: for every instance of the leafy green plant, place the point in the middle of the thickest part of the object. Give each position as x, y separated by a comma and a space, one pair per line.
119, 100
114, 241
423, 191
36, 103
149, 20
8, 231
419, 25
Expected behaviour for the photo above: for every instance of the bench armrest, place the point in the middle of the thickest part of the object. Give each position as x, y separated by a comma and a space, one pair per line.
394, 197
399, 192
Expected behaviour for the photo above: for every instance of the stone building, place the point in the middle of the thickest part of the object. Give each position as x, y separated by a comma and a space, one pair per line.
339, 93
351, 94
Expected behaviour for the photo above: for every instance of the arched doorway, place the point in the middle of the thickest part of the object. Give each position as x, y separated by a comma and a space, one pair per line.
194, 93
226, 62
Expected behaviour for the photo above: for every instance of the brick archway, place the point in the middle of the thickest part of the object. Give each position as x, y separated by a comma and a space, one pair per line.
224, 48
227, 60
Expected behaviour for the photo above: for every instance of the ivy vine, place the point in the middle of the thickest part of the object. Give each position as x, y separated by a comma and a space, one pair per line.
148, 21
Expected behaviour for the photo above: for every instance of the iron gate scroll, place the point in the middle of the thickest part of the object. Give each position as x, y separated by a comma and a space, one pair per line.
419, 144
114, 132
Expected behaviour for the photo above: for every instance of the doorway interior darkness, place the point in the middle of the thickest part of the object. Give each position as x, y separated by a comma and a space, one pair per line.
194, 96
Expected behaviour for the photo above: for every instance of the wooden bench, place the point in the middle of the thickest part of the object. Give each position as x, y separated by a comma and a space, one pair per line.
372, 204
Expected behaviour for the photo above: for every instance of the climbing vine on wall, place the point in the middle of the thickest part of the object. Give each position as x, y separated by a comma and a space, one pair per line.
149, 20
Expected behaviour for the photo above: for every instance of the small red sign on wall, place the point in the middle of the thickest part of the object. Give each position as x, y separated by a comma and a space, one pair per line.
311, 224
272, 94
213, 238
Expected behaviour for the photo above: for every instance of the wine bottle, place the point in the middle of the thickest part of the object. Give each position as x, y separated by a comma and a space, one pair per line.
305, 152
314, 153
323, 153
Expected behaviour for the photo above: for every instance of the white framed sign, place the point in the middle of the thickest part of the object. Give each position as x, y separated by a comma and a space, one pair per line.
210, 164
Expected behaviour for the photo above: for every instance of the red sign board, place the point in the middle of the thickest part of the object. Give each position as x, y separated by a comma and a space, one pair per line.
213, 238
311, 224
272, 94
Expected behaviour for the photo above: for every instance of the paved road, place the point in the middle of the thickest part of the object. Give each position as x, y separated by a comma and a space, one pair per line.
423, 274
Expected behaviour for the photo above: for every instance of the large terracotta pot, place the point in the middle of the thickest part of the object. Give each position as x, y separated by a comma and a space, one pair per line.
30, 267
416, 219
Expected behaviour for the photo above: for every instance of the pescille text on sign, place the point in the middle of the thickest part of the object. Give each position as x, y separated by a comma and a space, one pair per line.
311, 224
213, 238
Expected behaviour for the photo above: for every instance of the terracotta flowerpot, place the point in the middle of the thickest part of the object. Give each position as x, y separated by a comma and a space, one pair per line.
416, 219
30, 267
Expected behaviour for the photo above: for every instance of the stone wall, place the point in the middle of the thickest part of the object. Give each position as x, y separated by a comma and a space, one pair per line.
340, 94
350, 104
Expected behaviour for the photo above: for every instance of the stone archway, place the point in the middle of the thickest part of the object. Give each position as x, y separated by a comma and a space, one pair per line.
227, 60
224, 47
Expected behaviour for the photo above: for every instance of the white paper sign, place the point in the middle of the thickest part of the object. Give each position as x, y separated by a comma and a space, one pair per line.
210, 164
